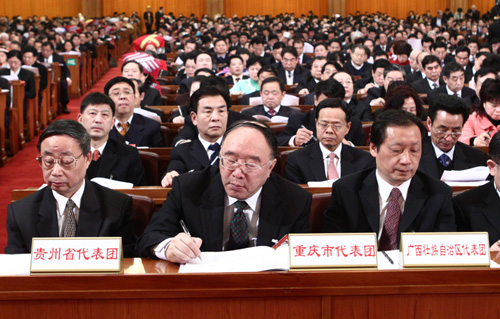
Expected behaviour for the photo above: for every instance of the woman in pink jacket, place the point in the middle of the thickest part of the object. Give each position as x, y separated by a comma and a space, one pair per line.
485, 121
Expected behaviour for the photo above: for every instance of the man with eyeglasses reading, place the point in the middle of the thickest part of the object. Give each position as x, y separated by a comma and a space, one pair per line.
242, 205
443, 151
328, 158
130, 128
272, 91
70, 205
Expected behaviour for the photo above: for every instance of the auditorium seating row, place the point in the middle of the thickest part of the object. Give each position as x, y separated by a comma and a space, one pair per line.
85, 72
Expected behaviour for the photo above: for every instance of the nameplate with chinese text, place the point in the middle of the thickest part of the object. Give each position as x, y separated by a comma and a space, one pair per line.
469, 249
76, 254
333, 250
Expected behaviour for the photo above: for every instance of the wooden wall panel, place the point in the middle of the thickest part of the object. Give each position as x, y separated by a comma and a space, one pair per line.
185, 7
263, 7
51, 8
396, 8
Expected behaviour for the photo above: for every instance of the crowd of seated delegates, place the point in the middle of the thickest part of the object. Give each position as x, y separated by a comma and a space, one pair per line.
23, 42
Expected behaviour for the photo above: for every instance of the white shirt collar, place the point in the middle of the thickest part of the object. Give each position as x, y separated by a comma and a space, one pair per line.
440, 152
357, 67
100, 149
129, 121
325, 152
432, 82
450, 92
276, 109
251, 201
206, 144
62, 200
384, 188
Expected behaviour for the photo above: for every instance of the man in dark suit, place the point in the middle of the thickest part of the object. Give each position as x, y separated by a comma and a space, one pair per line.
301, 128
376, 96
447, 115
290, 72
265, 72
209, 113
70, 205
110, 159
29, 59
432, 71
454, 77
15, 59
149, 20
462, 57
48, 56
439, 49
158, 18
236, 68
302, 58
358, 65
308, 84
130, 128
314, 162
258, 44
376, 79
439, 20
360, 110
272, 91
220, 52
393, 197
477, 209
243, 205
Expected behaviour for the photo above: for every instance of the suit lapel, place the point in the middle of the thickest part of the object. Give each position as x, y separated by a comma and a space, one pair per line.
346, 161
90, 216
413, 204
198, 152
369, 196
428, 160
317, 164
47, 225
270, 214
460, 161
108, 160
135, 133
491, 204
212, 215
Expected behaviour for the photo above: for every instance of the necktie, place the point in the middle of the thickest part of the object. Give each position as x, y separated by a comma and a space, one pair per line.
289, 74
271, 112
389, 236
124, 127
213, 158
434, 86
445, 160
237, 80
95, 155
332, 168
70, 220
239, 228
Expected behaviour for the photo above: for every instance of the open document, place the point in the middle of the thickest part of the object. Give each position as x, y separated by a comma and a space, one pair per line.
475, 174
253, 259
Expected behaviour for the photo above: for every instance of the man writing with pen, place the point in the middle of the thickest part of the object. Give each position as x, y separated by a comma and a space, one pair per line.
239, 204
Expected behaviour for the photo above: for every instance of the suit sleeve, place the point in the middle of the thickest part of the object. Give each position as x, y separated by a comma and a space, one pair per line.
177, 162
446, 219
334, 220
302, 223
188, 132
292, 170
15, 240
164, 224
290, 130
460, 217
125, 229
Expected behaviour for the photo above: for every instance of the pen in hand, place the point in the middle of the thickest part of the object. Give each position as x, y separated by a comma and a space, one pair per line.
313, 137
186, 230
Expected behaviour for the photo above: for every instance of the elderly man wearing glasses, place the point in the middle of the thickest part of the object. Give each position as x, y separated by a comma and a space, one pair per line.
242, 205
443, 151
70, 205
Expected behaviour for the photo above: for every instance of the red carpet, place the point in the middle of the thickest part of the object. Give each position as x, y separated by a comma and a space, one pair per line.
22, 171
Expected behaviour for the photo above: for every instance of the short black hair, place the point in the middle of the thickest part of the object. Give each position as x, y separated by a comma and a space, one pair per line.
391, 118
494, 148
331, 88
118, 79
272, 80
269, 69
96, 98
380, 63
430, 59
291, 50
452, 67
208, 90
31, 49
141, 68
269, 135
67, 127
234, 57
482, 72
450, 104
334, 103
15, 54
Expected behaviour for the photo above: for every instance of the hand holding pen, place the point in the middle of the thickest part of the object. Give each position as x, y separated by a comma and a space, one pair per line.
183, 247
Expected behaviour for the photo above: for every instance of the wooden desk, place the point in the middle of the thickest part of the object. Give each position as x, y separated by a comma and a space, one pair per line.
148, 288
